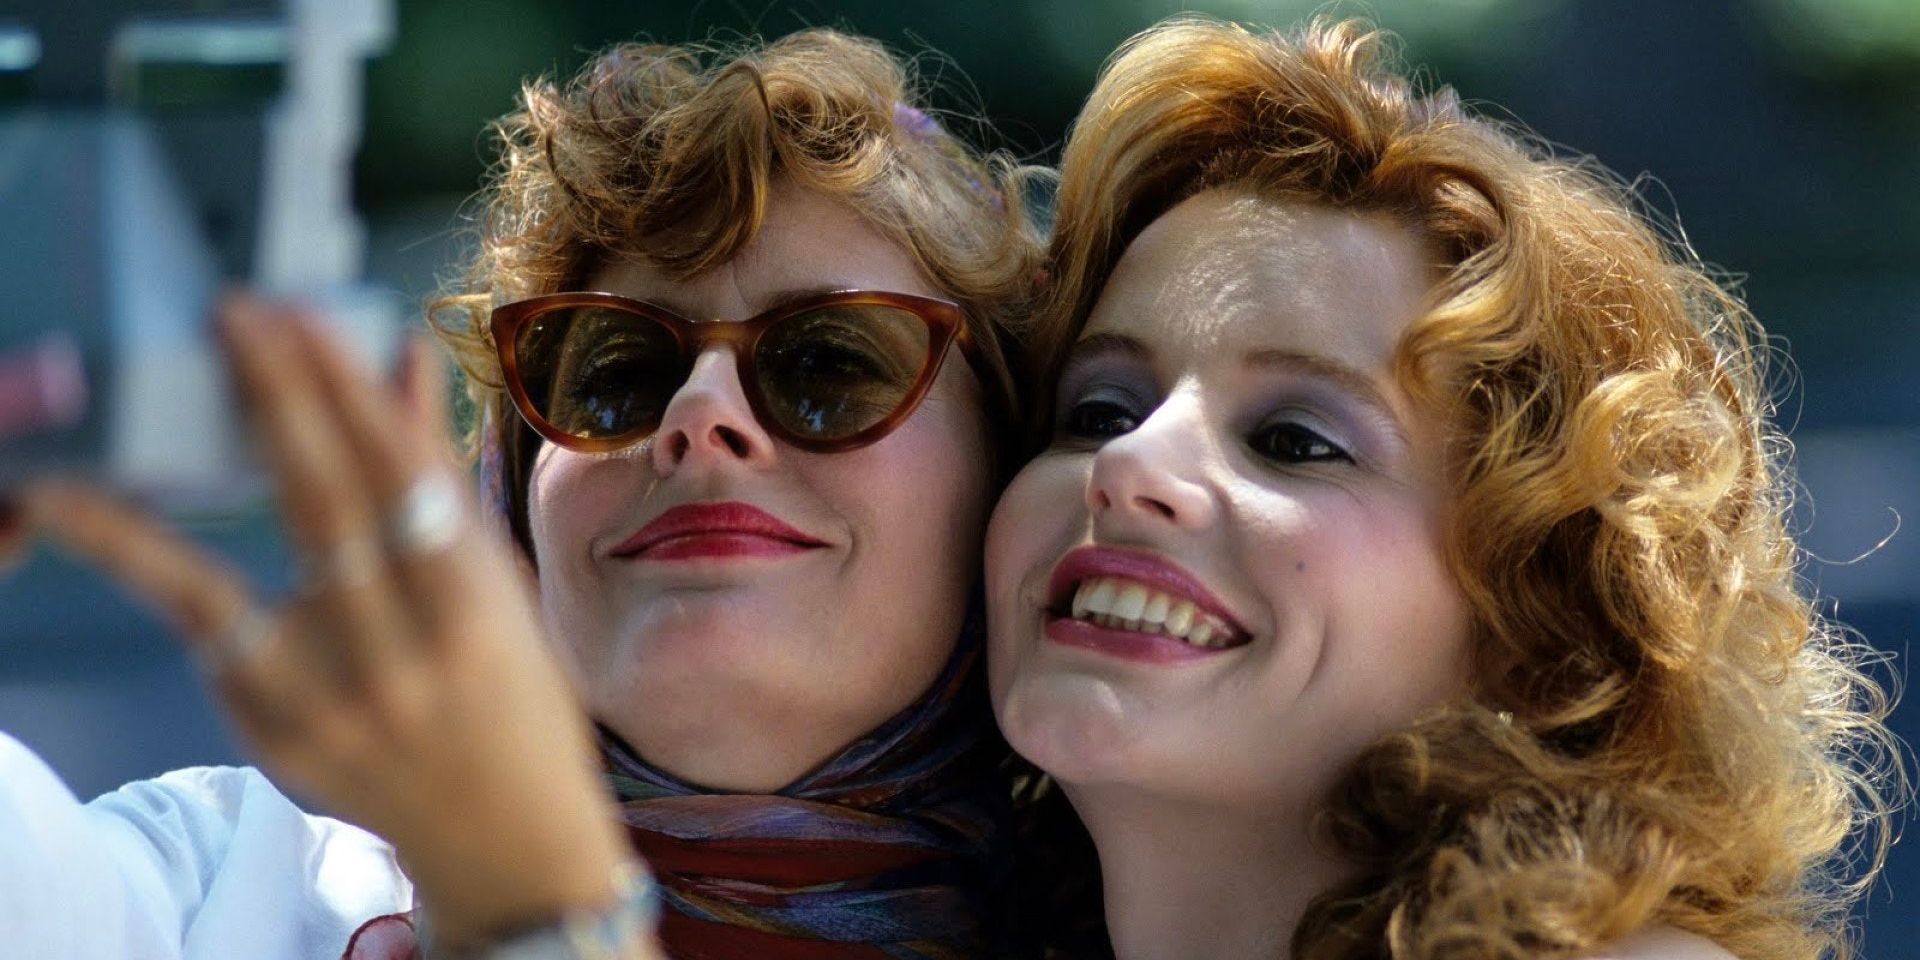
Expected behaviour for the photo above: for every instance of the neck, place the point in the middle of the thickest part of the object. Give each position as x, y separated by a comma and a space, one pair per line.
1184, 879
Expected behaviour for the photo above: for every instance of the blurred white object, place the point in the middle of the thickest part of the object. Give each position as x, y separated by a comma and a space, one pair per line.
204, 863
106, 212
310, 237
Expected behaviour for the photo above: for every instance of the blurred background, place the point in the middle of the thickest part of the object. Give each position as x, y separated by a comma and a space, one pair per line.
1784, 134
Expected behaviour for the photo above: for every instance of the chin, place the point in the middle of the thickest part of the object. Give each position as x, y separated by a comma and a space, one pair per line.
1073, 726
713, 617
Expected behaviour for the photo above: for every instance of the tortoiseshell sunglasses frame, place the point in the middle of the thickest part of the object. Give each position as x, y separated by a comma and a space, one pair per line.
946, 325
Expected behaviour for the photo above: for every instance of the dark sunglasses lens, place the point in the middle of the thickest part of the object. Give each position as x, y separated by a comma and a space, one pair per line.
835, 371
596, 372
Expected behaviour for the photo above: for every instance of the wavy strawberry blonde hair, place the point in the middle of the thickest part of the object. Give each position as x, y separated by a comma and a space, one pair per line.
1664, 730
669, 153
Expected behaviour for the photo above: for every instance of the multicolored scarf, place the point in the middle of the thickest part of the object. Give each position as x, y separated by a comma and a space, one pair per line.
894, 848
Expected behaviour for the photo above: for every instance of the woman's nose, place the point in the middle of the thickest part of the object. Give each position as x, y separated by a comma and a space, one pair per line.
708, 421
1151, 475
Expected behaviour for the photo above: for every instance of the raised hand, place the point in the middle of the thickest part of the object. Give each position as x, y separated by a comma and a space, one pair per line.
405, 685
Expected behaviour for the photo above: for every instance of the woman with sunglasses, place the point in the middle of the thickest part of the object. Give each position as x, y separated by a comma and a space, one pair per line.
1407, 571
736, 333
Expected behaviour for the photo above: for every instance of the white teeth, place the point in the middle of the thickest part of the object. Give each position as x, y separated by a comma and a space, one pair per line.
1200, 634
1080, 602
1100, 598
1156, 611
1180, 619
1117, 604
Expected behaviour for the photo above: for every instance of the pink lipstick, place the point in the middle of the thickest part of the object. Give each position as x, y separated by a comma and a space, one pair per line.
1201, 626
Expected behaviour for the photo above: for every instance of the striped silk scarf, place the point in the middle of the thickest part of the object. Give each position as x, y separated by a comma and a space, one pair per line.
894, 848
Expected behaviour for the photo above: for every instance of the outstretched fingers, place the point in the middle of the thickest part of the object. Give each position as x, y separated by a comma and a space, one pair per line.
206, 601
426, 391
320, 476
422, 511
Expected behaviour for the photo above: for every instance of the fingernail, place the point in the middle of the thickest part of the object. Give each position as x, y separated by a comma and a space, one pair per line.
38, 502
14, 539
232, 303
227, 313
406, 366
244, 309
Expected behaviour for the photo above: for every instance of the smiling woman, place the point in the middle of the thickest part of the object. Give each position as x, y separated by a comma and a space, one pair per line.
1405, 570
665, 566
1310, 487
737, 327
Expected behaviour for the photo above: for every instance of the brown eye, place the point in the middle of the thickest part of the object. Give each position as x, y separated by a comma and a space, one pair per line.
1098, 419
833, 372
1286, 442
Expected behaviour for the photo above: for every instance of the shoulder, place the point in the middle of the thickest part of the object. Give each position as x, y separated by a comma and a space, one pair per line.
213, 855
193, 796
1662, 943
205, 810
234, 821
189, 824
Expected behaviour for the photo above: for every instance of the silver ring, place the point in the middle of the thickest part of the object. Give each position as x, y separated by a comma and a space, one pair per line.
428, 517
243, 640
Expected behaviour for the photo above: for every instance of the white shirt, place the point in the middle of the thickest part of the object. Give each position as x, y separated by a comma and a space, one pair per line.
198, 864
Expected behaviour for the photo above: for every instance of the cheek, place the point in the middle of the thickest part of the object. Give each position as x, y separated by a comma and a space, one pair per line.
916, 503
570, 497
1393, 621
1427, 621
1039, 516
1030, 527
922, 492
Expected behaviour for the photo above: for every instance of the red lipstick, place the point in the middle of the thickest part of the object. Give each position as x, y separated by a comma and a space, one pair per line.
697, 531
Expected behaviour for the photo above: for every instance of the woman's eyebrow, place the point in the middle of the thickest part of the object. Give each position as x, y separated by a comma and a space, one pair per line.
1108, 344
778, 299
793, 295
1346, 378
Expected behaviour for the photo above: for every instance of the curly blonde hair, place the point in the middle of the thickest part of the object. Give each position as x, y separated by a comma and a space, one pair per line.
1664, 730
669, 154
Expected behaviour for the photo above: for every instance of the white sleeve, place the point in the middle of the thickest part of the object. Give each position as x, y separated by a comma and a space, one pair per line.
196, 864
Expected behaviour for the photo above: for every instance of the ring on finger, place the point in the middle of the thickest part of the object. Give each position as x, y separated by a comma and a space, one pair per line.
251, 630
427, 517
